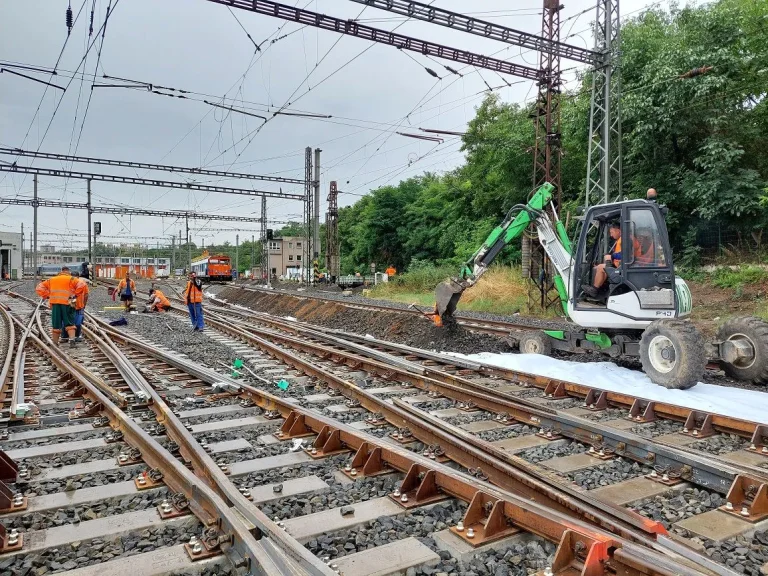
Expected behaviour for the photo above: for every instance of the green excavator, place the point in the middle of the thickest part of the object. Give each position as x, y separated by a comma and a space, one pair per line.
639, 310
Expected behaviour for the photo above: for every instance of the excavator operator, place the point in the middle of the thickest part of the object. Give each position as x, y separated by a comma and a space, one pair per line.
612, 261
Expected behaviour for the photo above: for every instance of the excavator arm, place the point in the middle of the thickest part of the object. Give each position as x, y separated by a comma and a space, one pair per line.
448, 293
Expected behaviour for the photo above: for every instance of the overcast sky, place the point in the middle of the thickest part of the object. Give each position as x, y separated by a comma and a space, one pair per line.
370, 90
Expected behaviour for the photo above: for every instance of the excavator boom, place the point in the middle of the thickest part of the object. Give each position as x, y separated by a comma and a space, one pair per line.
448, 293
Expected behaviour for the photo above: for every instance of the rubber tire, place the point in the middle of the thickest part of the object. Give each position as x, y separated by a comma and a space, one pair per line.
689, 351
535, 342
757, 331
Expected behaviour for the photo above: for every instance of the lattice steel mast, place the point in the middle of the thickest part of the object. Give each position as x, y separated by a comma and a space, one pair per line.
332, 262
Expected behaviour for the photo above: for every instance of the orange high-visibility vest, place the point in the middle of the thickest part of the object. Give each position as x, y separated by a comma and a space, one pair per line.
123, 284
81, 291
191, 294
163, 300
57, 289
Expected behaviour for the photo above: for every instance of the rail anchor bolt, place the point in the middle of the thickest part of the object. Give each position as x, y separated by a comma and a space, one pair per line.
353, 472
348, 467
685, 430
744, 511
765, 450
460, 526
695, 432
654, 474
729, 506
13, 537
404, 498
665, 477
123, 458
396, 493
470, 533
165, 507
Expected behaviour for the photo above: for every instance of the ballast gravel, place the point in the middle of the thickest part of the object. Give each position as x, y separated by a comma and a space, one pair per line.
606, 474
678, 504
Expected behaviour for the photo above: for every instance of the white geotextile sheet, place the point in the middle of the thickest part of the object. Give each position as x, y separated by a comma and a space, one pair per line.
735, 402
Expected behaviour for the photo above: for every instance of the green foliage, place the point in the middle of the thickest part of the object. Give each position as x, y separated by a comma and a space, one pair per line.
737, 278
699, 141
422, 276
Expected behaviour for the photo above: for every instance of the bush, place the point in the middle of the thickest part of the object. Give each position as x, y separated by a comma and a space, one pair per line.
422, 275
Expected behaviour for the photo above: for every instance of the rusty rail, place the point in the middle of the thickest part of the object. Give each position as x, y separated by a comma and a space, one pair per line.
581, 545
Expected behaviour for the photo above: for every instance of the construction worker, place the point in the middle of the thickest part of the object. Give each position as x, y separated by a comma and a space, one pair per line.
193, 297
126, 289
60, 293
391, 271
81, 300
157, 301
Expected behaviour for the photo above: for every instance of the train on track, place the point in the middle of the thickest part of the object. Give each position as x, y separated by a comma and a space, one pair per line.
216, 267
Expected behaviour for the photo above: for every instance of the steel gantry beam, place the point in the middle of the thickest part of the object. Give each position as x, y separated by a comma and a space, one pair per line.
120, 210
457, 21
351, 28
147, 166
146, 182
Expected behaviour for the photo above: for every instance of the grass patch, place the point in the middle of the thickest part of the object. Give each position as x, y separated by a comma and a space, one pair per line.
737, 278
501, 290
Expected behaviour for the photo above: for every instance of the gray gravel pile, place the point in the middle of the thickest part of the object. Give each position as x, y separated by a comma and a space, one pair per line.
347, 417
517, 560
657, 428
248, 434
720, 444
605, 415
42, 487
420, 523
336, 496
78, 457
743, 554
469, 417
563, 403
554, 450
434, 405
323, 468
85, 512
88, 553
244, 413
50, 440
381, 431
606, 474
53, 410
529, 393
676, 505
409, 329
504, 433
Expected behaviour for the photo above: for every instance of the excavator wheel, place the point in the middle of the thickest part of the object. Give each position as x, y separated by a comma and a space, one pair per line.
744, 349
535, 342
672, 353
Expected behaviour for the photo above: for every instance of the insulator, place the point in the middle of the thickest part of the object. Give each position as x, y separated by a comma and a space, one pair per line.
69, 20
432, 72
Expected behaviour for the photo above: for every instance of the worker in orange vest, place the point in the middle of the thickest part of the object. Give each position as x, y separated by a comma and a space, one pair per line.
391, 271
81, 300
158, 301
126, 289
193, 297
60, 293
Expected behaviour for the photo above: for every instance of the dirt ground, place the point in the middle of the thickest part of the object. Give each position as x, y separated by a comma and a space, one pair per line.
713, 305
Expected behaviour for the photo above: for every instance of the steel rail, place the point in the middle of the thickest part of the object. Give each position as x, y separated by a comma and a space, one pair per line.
528, 515
203, 501
285, 552
518, 477
695, 468
720, 422
4, 371
17, 397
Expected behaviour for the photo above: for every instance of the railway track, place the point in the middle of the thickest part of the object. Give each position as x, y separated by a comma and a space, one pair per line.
386, 460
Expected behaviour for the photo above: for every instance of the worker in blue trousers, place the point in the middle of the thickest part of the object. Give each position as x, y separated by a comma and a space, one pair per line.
193, 296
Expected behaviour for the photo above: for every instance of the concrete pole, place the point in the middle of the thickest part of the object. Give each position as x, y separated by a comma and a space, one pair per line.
21, 277
253, 252
316, 208
237, 254
173, 252
90, 230
34, 228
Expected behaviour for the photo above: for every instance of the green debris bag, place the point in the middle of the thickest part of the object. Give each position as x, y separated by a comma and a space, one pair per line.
236, 366
282, 384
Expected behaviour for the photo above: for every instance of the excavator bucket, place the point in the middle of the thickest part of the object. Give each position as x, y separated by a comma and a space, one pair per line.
447, 296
